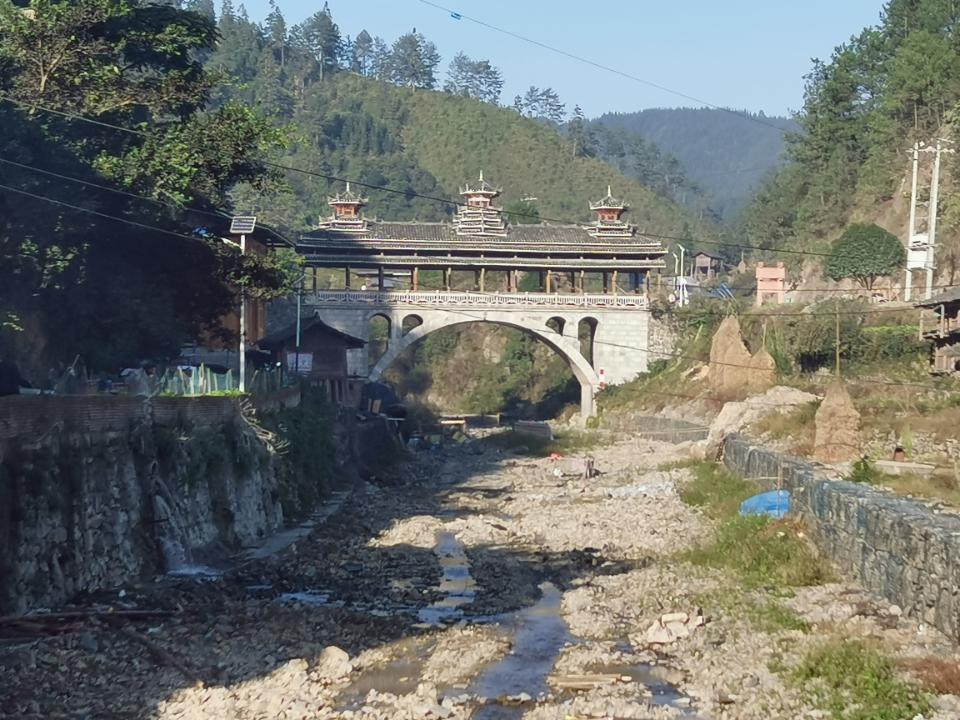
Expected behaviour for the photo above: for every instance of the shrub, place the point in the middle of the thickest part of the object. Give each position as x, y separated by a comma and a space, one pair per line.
854, 681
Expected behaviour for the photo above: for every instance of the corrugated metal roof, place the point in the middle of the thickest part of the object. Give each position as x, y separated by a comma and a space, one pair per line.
952, 295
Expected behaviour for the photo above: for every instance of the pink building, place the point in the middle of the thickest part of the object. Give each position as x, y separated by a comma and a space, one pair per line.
771, 283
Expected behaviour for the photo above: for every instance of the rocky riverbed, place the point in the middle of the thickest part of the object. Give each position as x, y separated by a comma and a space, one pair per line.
481, 583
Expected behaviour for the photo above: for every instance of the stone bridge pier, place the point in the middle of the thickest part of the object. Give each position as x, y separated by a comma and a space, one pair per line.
620, 327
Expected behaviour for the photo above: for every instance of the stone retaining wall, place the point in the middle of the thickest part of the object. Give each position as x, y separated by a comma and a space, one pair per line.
897, 548
36, 416
97, 492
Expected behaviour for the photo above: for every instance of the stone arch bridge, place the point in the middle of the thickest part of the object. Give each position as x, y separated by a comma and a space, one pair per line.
622, 328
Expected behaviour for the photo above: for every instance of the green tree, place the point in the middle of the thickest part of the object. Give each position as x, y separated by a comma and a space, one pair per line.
523, 211
413, 61
132, 293
864, 252
580, 134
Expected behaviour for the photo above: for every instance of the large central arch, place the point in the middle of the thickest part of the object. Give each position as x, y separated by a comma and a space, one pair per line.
568, 348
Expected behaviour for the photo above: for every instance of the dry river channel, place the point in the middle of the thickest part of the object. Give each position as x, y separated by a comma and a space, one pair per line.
478, 583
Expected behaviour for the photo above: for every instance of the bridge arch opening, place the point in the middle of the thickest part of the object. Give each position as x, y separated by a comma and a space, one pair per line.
587, 333
378, 338
410, 322
557, 324
565, 349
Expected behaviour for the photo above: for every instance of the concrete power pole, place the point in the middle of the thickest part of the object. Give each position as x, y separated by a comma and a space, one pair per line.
921, 247
911, 228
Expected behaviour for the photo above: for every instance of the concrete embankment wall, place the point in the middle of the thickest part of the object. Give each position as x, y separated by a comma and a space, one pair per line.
656, 427
96, 492
894, 547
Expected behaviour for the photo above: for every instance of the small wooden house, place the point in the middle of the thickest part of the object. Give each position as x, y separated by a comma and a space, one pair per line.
940, 323
322, 357
706, 266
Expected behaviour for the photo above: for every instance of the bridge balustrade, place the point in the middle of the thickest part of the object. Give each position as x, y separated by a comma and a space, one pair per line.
479, 299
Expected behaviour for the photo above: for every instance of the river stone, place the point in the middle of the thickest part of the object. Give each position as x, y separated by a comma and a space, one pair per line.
730, 361
333, 663
838, 437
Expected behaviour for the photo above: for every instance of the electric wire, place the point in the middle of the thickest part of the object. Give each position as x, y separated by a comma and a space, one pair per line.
457, 15
473, 316
433, 198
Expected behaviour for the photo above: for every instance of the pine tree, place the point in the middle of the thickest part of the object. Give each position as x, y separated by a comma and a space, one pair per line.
320, 36
380, 60
413, 61
580, 134
275, 32
362, 53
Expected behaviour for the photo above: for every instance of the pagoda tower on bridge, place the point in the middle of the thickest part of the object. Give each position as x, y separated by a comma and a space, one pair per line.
608, 223
477, 216
347, 216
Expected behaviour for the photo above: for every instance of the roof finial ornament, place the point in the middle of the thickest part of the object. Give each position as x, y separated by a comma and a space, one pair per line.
481, 176
348, 187
609, 194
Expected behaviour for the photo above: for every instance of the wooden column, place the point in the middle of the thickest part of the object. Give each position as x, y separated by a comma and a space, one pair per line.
548, 286
446, 278
415, 279
476, 280
573, 281
380, 286
483, 278
613, 286
346, 278
582, 273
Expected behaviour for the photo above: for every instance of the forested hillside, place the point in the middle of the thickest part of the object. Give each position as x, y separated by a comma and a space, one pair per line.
726, 155
383, 114
864, 107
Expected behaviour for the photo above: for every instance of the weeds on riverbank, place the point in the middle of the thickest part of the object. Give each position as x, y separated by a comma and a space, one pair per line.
761, 551
715, 489
853, 680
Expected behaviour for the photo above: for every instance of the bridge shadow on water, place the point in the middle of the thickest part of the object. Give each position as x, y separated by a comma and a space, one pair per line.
353, 593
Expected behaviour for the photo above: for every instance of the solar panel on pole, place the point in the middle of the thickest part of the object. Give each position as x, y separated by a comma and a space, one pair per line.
243, 224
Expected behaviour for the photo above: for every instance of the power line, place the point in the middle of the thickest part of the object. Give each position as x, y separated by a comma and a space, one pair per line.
460, 16
432, 198
108, 188
218, 216
600, 342
78, 208
681, 356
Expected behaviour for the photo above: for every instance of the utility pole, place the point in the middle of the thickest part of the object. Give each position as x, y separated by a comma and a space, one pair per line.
911, 228
921, 247
932, 223
836, 309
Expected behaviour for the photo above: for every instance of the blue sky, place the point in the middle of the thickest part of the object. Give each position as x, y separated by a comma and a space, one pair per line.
746, 54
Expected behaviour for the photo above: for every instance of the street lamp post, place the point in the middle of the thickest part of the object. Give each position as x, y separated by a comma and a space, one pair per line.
241, 225
296, 362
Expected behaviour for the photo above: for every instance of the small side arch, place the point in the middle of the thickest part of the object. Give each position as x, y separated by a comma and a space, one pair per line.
409, 323
379, 332
557, 324
587, 333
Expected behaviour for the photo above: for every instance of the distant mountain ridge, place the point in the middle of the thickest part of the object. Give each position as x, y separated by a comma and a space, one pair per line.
726, 153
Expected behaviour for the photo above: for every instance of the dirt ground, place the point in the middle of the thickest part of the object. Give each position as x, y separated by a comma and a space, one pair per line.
484, 584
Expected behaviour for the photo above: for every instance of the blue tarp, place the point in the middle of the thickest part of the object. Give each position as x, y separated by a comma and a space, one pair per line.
775, 503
